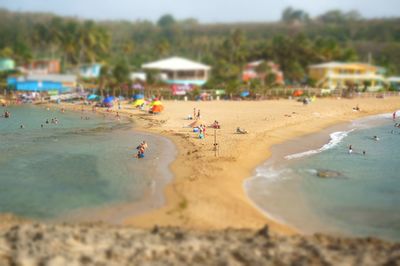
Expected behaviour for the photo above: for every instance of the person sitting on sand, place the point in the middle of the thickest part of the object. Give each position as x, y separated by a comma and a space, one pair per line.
241, 131
140, 153
144, 145
356, 108
140, 149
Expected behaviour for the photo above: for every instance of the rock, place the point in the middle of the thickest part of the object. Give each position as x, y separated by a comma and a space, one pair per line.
328, 173
119, 245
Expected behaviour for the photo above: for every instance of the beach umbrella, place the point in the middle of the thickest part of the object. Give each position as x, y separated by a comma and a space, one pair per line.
244, 93
137, 86
138, 102
157, 109
138, 96
298, 93
108, 99
155, 103
92, 97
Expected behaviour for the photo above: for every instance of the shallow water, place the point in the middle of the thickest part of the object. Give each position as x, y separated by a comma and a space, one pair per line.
77, 164
363, 201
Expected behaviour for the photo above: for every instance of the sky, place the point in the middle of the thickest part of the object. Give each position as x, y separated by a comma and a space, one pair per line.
206, 11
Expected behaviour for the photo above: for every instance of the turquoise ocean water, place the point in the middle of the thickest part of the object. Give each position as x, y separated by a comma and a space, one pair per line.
74, 165
363, 201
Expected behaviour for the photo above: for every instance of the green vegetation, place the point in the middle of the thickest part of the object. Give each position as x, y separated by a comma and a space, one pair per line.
294, 42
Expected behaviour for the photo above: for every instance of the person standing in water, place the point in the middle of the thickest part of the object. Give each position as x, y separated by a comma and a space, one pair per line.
350, 149
394, 115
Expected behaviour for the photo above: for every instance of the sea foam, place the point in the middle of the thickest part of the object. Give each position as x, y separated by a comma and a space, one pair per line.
336, 138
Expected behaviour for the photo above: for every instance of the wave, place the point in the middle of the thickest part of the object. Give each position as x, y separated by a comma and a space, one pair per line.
336, 138
271, 173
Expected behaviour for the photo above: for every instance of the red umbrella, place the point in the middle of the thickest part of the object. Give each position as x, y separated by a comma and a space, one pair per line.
298, 93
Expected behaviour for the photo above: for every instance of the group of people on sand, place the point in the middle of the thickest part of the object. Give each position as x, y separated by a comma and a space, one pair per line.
202, 131
141, 149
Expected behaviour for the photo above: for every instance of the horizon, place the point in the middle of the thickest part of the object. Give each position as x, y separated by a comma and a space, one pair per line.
206, 13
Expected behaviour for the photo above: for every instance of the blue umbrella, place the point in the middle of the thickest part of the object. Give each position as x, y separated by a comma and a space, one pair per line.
138, 96
108, 99
244, 93
92, 97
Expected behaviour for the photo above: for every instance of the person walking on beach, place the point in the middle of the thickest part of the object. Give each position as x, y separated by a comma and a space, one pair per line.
194, 113
198, 114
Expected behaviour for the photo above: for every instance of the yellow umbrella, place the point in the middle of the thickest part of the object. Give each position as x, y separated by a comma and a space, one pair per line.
155, 103
138, 102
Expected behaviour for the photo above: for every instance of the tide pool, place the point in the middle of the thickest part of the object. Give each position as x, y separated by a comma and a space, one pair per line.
49, 171
364, 200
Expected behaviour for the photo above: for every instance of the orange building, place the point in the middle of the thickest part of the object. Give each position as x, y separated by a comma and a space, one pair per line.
250, 72
44, 66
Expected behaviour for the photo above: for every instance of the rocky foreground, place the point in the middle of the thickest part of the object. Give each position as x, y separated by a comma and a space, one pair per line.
47, 244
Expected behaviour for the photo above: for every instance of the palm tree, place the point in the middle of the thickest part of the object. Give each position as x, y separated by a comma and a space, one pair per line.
121, 75
104, 78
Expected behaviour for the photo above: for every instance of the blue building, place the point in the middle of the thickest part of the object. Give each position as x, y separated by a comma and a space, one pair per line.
40, 83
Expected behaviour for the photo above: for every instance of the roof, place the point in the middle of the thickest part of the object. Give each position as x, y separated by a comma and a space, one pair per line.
334, 64
175, 63
52, 77
393, 79
327, 65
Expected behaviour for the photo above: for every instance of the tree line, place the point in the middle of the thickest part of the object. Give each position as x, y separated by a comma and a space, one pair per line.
294, 42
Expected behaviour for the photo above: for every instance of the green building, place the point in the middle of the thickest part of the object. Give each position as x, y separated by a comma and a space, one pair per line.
6, 64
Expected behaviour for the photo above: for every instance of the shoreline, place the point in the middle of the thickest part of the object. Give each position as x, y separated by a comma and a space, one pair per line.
206, 191
157, 176
305, 146
298, 145
175, 191
153, 197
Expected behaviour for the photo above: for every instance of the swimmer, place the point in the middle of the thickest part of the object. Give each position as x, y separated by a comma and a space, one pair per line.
350, 149
376, 138
21, 126
364, 152
41, 125
47, 121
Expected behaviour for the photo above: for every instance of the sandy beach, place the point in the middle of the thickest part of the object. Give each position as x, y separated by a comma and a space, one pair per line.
206, 194
207, 190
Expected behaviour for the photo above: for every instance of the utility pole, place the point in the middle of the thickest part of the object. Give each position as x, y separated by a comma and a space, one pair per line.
216, 147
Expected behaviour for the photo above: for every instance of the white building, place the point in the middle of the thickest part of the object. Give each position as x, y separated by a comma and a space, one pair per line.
180, 71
